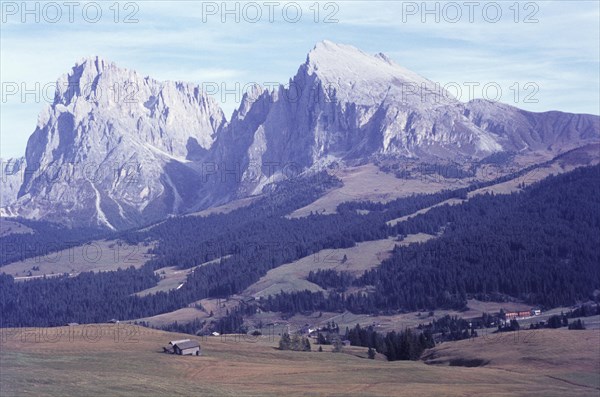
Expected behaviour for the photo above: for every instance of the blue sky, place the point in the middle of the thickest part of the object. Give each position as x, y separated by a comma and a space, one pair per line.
552, 44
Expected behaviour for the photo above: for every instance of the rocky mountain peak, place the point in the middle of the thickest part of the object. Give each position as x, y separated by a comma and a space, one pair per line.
113, 146
117, 149
366, 79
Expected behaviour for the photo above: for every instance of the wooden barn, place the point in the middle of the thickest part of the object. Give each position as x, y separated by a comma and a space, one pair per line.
183, 347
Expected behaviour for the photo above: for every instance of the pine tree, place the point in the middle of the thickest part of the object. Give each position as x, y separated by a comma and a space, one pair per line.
371, 353
297, 343
577, 324
307, 347
285, 343
321, 339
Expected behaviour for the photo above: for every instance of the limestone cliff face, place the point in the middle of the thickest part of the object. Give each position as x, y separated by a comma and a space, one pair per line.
11, 179
113, 148
344, 104
116, 149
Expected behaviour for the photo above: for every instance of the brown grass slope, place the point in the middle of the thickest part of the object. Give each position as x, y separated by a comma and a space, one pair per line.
119, 360
568, 355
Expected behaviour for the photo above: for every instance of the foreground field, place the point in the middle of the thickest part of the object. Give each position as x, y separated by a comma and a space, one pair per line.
121, 360
568, 355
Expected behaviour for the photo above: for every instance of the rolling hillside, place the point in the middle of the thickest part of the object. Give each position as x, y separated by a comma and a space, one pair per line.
120, 360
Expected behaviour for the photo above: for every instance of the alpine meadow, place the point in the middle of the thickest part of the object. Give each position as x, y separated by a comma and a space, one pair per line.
328, 198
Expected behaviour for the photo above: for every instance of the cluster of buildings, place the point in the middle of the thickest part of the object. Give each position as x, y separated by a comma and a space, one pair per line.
522, 314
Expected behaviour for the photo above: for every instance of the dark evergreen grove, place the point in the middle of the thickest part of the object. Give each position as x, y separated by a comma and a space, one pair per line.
401, 345
87, 298
295, 342
539, 245
331, 279
46, 238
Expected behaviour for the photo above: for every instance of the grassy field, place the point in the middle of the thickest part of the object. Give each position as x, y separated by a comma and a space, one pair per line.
452, 201
228, 207
383, 323
571, 356
556, 167
172, 277
292, 276
12, 227
101, 255
120, 360
220, 209
585, 156
367, 182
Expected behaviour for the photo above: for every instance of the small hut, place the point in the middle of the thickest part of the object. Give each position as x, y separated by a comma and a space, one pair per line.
183, 347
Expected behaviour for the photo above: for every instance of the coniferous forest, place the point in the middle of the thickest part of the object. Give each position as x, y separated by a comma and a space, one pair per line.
539, 245
402, 345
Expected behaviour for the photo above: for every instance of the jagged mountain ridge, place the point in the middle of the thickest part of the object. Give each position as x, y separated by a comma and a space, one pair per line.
113, 147
171, 151
344, 104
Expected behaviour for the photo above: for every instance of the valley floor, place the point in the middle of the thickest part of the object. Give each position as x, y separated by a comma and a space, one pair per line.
126, 360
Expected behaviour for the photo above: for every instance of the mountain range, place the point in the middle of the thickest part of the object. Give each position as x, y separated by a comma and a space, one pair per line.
116, 149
